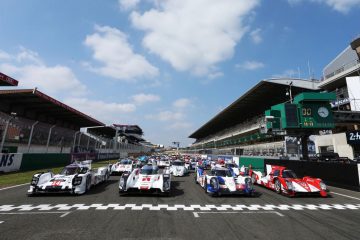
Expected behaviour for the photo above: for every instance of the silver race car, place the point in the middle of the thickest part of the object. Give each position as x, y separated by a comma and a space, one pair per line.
178, 168
147, 179
76, 178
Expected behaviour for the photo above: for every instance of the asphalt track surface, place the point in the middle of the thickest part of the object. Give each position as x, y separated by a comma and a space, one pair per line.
188, 214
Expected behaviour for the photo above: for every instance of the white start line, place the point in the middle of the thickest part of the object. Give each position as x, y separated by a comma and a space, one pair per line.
197, 214
166, 207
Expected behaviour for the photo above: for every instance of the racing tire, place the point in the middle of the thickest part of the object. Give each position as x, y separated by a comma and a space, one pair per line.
277, 186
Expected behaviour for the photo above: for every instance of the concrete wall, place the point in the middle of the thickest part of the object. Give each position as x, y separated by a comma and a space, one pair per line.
338, 141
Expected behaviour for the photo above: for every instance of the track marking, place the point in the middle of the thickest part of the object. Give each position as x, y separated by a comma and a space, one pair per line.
26, 213
196, 214
46, 208
345, 195
1, 222
14, 186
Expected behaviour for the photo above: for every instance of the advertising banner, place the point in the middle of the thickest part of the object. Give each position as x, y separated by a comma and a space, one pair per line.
10, 162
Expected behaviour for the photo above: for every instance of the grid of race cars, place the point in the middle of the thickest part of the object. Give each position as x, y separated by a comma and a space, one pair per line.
153, 174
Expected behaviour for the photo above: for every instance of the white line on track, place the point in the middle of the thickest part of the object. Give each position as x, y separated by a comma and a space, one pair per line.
196, 214
14, 186
340, 194
25, 213
1, 222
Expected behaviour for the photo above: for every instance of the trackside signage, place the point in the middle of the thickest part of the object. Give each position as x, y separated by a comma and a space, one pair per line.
10, 162
353, 137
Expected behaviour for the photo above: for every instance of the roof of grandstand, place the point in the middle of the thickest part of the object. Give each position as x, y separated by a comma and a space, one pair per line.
254, 102
102, 131
7, 81
35, 105
133, 129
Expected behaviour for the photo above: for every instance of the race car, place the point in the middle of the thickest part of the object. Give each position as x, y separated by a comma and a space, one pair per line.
123, 165
233, 167
147, 179
282, 180
221, 181
76, 178
163, 162
178, 168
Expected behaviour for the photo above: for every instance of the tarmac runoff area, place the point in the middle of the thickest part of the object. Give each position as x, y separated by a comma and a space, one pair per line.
188, 214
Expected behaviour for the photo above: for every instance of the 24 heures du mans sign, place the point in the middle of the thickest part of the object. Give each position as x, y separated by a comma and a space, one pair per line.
353, 137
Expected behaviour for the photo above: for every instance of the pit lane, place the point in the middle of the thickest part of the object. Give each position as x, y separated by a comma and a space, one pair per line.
188, 214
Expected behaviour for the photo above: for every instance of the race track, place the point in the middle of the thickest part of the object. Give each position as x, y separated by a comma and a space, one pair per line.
188, 214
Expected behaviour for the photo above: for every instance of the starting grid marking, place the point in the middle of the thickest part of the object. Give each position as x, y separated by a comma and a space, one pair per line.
166, 207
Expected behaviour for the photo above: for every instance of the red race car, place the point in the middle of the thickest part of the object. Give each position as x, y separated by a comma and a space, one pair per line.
285, 181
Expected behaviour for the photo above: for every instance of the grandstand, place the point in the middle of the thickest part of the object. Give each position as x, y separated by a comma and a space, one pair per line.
236, 129
38, 123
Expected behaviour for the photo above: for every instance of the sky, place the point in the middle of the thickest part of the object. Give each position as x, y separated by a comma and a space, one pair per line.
168, 66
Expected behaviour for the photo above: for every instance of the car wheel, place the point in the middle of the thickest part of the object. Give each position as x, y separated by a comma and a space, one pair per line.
277, 186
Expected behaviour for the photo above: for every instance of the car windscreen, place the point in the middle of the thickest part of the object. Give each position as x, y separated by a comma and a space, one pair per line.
178, 164
149, 171
125, 161
222, 173
288, 174
69, 171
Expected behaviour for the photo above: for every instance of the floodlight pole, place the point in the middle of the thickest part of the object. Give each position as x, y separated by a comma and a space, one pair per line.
49, 136
31, 134
5, 131
75, 134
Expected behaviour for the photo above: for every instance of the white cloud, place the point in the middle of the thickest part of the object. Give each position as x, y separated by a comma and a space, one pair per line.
110, 112
29, 69
194, 35
256, 36
182, 103
112, 50
4, 55
180, 126
250, 65
142, 98
290, 73
343, 6
165, 116
128, 4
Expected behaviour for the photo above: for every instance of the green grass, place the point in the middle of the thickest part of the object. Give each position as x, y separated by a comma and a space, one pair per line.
15, 178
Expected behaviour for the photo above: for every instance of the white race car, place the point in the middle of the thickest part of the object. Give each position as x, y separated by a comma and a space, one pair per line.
221, 181
147, 179
178, 168
163, 163
124, 165
76, 178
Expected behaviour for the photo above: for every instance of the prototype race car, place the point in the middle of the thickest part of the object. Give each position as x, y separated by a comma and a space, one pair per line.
222, 181
76, 178
146, 179
285, 181
124, 165
163, 162
178, 168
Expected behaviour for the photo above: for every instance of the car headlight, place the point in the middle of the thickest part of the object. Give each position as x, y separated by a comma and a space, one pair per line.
322, 186
289, 185
34, 181
77, 180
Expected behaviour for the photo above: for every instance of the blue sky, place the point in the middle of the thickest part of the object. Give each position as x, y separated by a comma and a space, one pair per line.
167, 65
